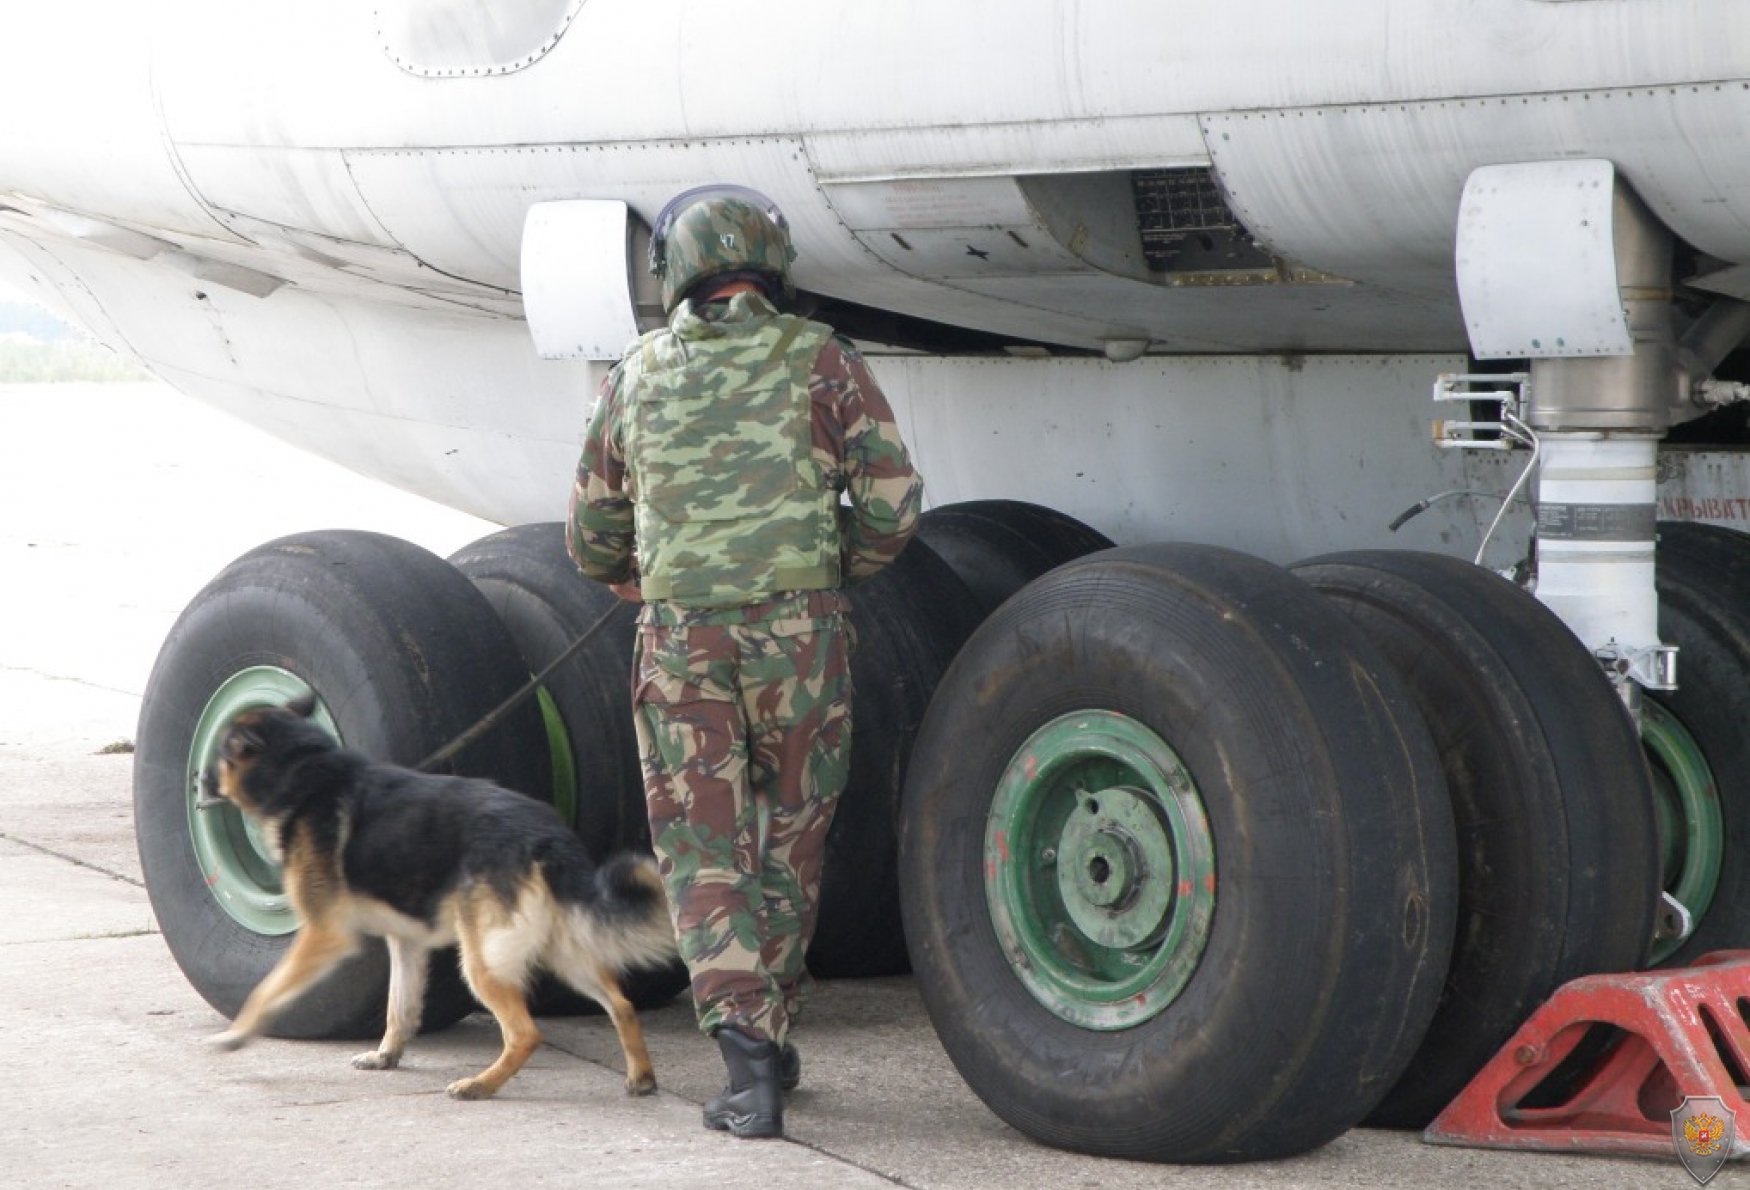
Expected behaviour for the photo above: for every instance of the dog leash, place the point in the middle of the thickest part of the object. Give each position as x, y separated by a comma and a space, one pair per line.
496, 716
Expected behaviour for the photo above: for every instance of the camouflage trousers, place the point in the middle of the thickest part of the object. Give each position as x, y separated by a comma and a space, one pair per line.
744, 733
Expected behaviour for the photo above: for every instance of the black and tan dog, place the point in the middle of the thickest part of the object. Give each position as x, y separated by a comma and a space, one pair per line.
429, 861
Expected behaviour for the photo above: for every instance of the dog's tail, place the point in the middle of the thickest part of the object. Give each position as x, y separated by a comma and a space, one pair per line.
627, 921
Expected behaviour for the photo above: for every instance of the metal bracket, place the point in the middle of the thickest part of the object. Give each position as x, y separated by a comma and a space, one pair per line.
1714, 393
1674, 921
1510, 391
1653, 668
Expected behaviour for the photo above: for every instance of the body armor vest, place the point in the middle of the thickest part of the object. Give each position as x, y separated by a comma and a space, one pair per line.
731, 507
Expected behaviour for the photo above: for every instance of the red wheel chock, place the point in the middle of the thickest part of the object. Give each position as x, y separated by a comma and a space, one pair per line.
1634, 1047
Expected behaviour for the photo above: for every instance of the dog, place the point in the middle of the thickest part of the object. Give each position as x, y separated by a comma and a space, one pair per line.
427, 861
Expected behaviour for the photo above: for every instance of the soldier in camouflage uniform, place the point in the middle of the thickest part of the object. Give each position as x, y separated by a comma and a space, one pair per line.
710, 486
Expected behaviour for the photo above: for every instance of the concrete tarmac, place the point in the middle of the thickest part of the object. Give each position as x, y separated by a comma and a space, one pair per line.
116, 504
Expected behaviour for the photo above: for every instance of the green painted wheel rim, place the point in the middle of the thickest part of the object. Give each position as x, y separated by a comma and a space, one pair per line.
234, 858
1100, 870
563, 759
1687, 802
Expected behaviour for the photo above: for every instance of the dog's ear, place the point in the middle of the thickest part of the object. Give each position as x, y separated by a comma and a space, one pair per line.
244, 740
303, 706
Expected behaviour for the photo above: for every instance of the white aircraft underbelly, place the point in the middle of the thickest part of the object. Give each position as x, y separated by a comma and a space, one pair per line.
312, 214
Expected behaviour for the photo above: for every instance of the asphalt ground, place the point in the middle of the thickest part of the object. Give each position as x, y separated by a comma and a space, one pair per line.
117, 503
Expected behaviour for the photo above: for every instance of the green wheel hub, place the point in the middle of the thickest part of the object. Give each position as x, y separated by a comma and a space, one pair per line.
1100, 870
240, 868
563, 759
1687, 804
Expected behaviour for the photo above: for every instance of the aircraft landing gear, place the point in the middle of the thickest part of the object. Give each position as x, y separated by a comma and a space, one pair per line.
402, 653
1558, 872
1179, 870
1696, 740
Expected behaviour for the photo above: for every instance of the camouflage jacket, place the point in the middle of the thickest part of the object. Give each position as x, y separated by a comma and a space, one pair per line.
855, 446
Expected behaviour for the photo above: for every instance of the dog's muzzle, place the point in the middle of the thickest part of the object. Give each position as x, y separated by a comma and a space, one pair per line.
210, 798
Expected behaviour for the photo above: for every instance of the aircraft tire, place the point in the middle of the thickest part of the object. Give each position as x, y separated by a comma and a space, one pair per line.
1704, 582
999, 546
1558, 870
403, 654
908, 622
547, 603
1192, 711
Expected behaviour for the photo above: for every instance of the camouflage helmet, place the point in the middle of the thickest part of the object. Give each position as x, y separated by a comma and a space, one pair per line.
713, 230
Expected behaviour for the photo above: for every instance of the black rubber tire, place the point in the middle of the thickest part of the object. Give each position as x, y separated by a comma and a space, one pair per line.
964, 562
999, 546
1333, 850
546, 603
1558, 862
405, 654
1704, 609
908, 622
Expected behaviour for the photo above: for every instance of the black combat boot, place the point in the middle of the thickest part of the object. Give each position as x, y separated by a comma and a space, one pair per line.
789, 1075
752, 1105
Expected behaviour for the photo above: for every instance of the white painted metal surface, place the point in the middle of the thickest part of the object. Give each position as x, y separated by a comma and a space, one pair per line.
1707, 486
462, 39
1596, 502
1537, 262
1342, 144
1281, 458
374, 168
572, 250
